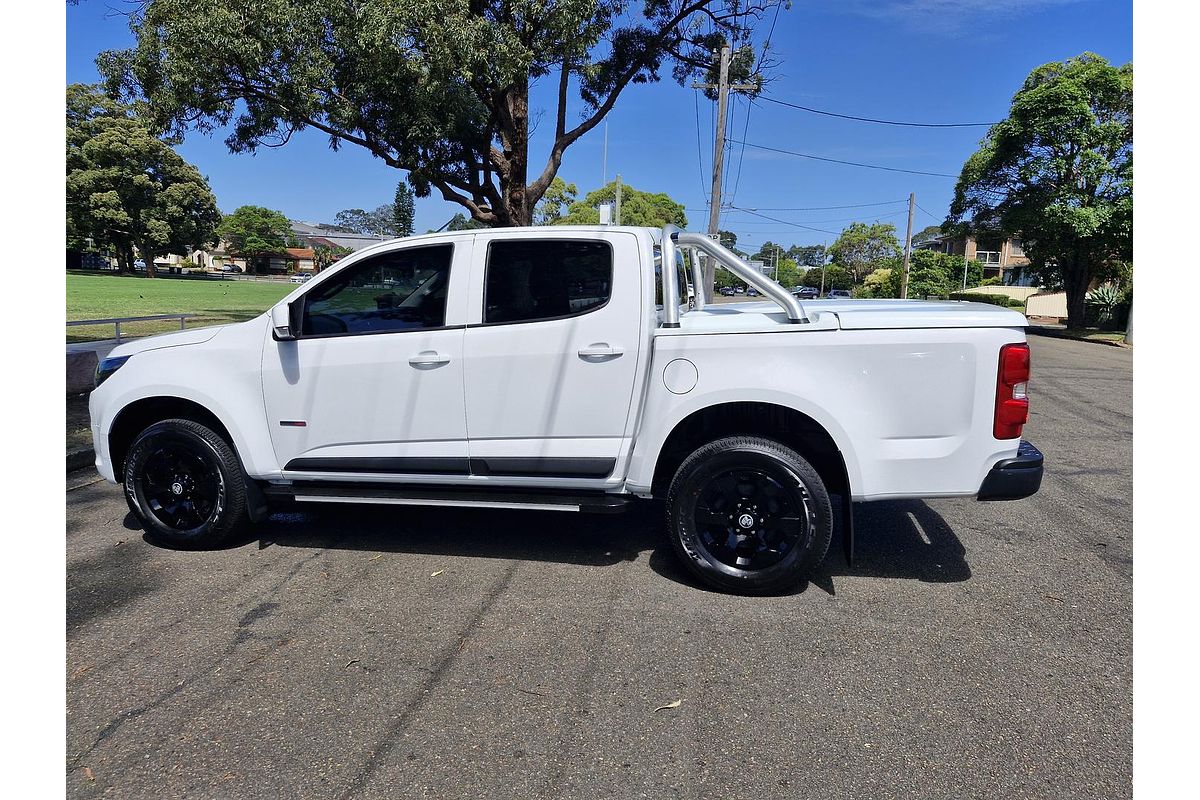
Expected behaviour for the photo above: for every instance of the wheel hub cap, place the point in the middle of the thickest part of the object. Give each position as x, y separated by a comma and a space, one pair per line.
746, 521
177, 487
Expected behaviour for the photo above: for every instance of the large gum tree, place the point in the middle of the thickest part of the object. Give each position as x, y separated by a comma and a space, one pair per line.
1058, 172
439, 88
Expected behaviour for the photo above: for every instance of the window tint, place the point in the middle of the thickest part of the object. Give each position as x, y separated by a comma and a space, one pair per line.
400, 291
530, 280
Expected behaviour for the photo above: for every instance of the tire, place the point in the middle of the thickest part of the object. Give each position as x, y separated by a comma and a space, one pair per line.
747, 515
186, 485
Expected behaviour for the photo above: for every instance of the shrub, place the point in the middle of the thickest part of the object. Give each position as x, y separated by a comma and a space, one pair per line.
973, 297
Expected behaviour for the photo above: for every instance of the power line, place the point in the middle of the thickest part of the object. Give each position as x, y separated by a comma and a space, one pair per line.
785, 222
742, 156
935, 216
699, 150
850, 163
816, 208
843, 219
880, 121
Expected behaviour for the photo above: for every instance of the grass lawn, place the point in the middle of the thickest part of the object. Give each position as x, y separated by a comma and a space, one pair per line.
216, 302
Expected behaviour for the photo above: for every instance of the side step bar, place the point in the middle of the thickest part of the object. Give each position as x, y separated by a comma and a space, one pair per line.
455, 497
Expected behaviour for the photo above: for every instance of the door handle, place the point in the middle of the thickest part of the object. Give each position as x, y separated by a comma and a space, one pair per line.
428, 358
601, 350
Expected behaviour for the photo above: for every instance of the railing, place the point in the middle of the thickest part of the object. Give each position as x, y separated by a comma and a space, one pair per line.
116, 321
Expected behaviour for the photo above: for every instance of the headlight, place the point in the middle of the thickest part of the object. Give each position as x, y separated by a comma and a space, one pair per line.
107, 367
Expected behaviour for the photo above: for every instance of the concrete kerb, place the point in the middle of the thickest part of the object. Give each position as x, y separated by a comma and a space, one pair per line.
1060, 333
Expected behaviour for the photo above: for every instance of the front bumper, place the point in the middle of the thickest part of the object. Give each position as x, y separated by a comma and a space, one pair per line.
1014, 478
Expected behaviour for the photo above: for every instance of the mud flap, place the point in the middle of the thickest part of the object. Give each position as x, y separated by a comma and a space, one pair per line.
848, 528
256, 501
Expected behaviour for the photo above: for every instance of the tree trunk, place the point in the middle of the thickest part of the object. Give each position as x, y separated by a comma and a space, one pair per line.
148, 257
517, 210
1076, 278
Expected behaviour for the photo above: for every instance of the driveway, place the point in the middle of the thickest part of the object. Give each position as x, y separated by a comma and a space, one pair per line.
974, 650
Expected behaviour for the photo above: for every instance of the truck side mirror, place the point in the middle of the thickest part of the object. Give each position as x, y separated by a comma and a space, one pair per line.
283, 320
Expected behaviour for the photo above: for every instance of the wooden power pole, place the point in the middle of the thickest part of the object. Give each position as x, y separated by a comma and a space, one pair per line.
714, 213
912, 202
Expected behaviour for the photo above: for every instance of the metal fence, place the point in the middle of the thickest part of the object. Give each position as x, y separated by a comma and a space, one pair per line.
117, 321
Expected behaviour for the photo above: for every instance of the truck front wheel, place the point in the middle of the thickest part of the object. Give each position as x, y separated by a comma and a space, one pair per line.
186, 485
749, 515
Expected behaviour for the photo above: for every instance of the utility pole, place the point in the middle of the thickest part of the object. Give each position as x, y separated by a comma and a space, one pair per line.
912, 202
714, 212
617, 210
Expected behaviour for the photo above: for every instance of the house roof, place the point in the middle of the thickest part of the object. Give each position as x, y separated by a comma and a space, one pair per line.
300, 252
315, 233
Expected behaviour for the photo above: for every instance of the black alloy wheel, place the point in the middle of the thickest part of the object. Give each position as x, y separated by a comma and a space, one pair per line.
749, 520
747, 514
185, 485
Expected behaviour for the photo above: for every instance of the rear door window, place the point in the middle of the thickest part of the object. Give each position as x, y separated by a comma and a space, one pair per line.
550, 279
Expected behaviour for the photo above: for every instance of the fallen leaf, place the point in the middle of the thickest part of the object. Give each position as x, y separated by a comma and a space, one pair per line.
352, 661
439, 572
375, 558
87, 773
676, 704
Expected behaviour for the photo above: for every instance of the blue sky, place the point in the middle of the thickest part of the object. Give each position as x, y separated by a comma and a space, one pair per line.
911, 60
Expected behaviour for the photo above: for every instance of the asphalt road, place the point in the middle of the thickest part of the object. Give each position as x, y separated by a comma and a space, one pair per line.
975, 650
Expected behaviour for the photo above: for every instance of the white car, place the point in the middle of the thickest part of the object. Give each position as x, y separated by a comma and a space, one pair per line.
303, 277
557, 369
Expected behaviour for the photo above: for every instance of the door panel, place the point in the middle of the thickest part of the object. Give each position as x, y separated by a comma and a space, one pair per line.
385, 397
551, 397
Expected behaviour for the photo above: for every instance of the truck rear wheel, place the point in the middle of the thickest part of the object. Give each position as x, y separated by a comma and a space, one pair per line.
186, 485
749, 515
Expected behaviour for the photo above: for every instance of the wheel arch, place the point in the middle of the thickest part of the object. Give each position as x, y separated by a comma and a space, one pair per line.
140, 414
784, 423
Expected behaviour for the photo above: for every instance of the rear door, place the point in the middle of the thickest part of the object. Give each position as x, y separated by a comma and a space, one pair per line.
552, 355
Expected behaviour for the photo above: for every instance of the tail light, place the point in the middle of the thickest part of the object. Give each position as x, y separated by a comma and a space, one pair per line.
1012, 402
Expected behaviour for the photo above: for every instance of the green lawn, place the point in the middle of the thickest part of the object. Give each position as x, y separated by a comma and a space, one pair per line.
216, 302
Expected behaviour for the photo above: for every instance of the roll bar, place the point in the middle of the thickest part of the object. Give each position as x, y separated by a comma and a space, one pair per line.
672, 237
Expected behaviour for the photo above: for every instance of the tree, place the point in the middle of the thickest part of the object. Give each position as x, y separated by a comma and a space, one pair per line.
932, 274
460, 223
862, 248
877, 284
728, 239
637, 208
1059, 172
813, 255
253, 232
555, 202
324, 255
926, 234
355, 220
438, 89
787, 273
128, 189
403, 210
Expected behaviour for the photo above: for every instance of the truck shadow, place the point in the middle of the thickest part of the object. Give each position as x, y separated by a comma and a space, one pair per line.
895, 539
898, 539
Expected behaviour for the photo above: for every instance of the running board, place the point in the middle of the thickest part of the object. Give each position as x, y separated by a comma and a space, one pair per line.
454, 497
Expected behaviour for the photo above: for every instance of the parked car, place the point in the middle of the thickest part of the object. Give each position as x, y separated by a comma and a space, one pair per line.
302, 277
807, 293
835, 294
751, 292
728, 291
228, 268
739, 290
532, 375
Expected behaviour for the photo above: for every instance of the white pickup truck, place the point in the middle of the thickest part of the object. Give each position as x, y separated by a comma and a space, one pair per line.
558, 369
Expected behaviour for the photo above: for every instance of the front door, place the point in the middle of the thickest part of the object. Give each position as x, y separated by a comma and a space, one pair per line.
373, 385
552, 355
